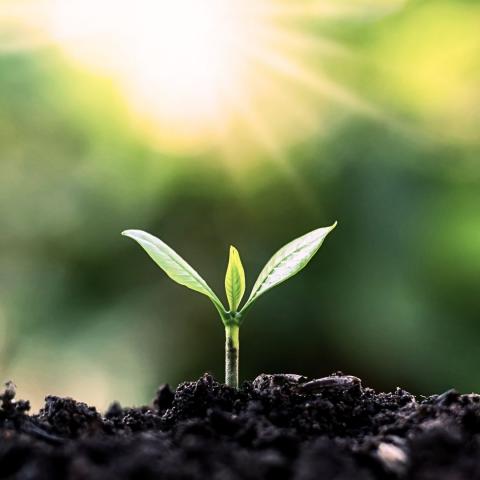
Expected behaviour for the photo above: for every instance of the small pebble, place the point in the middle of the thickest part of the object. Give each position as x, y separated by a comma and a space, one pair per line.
392, 457
333, 381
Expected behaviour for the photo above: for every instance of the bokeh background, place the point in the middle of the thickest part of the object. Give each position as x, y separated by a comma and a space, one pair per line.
366, 112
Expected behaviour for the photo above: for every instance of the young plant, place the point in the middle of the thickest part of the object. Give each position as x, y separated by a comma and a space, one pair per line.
288, 261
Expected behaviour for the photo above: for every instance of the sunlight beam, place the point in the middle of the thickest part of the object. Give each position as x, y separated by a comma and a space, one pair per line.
190, 69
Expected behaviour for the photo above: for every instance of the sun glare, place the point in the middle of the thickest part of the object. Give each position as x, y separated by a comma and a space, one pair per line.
182, 64
175, 58
204, 71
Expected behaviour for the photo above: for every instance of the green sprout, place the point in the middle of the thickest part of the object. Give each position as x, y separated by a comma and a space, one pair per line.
288, 261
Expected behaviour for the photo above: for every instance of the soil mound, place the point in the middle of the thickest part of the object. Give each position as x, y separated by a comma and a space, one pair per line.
276, 427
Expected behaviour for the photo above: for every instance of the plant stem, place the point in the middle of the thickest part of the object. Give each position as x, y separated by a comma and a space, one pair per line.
232, 347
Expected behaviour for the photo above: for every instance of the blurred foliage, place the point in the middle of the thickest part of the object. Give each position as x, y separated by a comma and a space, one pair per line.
391, 297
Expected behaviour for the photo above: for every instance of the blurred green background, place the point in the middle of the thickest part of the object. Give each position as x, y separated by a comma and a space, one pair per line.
393, 295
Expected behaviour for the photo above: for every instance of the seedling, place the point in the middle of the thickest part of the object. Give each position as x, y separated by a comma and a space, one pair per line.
288, 261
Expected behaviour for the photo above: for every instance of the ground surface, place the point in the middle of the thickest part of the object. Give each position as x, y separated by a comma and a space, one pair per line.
277, 427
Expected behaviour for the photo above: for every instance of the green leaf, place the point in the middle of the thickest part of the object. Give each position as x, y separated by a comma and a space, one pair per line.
288, 261
174, 265
234, 280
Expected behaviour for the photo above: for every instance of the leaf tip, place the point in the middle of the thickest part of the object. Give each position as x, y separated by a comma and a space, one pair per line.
234, 279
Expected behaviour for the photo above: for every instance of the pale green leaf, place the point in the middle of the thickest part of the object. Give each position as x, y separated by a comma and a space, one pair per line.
173, 264
288, 261
234, 280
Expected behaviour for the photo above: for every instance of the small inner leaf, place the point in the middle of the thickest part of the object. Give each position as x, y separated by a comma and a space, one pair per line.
234, 280
174, 265
288, 261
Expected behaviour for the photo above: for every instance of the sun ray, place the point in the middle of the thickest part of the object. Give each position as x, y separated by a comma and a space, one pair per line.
300, 42
312, 9
192, 71
266, 138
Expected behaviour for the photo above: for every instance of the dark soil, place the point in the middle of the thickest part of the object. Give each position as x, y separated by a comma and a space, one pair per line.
276, 427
